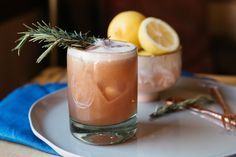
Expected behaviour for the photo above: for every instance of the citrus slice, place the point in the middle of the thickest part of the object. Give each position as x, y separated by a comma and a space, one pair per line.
125, 27
157, 37
144, 53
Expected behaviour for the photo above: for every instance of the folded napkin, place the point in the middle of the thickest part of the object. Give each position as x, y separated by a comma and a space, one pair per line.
14, 109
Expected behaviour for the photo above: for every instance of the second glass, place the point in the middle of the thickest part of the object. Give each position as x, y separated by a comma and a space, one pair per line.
102, 92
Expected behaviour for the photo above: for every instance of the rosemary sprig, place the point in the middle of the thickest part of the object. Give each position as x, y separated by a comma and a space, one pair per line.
52, 37
176, 106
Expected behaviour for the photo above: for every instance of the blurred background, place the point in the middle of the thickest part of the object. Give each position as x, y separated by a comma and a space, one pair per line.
206, 29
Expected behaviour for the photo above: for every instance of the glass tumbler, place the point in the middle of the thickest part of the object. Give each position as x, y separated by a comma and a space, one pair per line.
157, 73
102, 92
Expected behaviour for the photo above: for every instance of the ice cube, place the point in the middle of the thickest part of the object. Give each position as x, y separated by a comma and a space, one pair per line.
111, 93
111, 90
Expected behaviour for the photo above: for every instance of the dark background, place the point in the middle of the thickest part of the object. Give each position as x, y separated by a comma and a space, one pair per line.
206, 29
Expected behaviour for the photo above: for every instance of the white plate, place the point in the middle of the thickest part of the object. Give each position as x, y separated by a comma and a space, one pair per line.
179, 134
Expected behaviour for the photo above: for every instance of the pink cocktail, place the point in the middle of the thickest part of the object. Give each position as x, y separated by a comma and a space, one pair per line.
102, 92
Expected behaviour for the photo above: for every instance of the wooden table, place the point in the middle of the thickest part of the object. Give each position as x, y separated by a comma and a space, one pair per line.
56, 74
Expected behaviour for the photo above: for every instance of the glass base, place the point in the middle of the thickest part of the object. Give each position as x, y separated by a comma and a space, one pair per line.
104, 135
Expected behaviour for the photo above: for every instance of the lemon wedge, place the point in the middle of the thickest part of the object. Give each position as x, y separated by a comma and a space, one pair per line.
157, 37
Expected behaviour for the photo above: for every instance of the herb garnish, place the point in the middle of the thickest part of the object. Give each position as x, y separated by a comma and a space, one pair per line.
180, 105
52, 37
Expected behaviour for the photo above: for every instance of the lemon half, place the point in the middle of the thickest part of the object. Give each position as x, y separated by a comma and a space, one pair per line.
157, 37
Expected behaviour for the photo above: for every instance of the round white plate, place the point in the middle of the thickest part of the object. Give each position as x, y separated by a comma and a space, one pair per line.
179, 134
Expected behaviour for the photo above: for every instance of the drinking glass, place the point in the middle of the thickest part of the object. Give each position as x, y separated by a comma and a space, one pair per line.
102, 92
157, 73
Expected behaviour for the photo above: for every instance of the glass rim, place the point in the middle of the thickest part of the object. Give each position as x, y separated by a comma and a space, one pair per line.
178, 50
130, 51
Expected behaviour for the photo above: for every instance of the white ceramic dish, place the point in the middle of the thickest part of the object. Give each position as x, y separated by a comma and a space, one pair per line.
179, 134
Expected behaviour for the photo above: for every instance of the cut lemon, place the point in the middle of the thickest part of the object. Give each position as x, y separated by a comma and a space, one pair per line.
157, 37
144, 53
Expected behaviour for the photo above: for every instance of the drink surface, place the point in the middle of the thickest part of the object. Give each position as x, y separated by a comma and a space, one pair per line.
102, 83
105, 50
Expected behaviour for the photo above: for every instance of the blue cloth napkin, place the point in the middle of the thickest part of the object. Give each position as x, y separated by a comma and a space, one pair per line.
187, 74
14, 123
